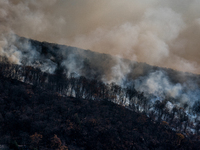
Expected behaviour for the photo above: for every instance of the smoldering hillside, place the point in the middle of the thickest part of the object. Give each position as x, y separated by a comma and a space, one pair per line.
50, 57
162, 94
109, 43
161, 83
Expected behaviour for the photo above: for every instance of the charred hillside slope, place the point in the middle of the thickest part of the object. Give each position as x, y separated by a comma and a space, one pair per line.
39, 118
180, 89
49, 57
156, 100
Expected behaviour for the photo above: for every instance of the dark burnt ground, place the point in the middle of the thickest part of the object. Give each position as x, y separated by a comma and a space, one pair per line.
78, 123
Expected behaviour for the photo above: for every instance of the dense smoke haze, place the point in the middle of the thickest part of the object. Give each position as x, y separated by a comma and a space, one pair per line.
158, 32
146, 47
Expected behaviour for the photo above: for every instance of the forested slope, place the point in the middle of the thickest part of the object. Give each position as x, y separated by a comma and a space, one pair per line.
79, 123
65, 97
37, 117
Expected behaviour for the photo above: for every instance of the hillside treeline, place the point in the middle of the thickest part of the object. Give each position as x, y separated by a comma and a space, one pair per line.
91, 89
93, 65
35, 117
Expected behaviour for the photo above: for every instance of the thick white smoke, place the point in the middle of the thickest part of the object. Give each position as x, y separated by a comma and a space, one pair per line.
158, 32
163, 33
8, 50
158, 84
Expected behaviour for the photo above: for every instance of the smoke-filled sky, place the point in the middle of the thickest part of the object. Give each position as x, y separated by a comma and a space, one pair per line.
158, 32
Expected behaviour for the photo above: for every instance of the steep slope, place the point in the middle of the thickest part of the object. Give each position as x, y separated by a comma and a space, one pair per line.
182, 88
168, 97
28, 113
49, 57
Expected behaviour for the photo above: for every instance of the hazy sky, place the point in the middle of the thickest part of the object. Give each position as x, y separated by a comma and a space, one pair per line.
158, 32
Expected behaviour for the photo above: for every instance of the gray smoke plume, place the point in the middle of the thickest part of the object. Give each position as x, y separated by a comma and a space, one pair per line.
158, 84
158, 32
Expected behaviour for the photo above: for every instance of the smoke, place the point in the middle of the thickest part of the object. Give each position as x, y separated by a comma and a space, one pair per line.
73, 65
158, 32
119, 71
159, 85
8, 50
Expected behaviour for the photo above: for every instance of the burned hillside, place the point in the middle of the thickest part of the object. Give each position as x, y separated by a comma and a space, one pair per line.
161, 98
29, 112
